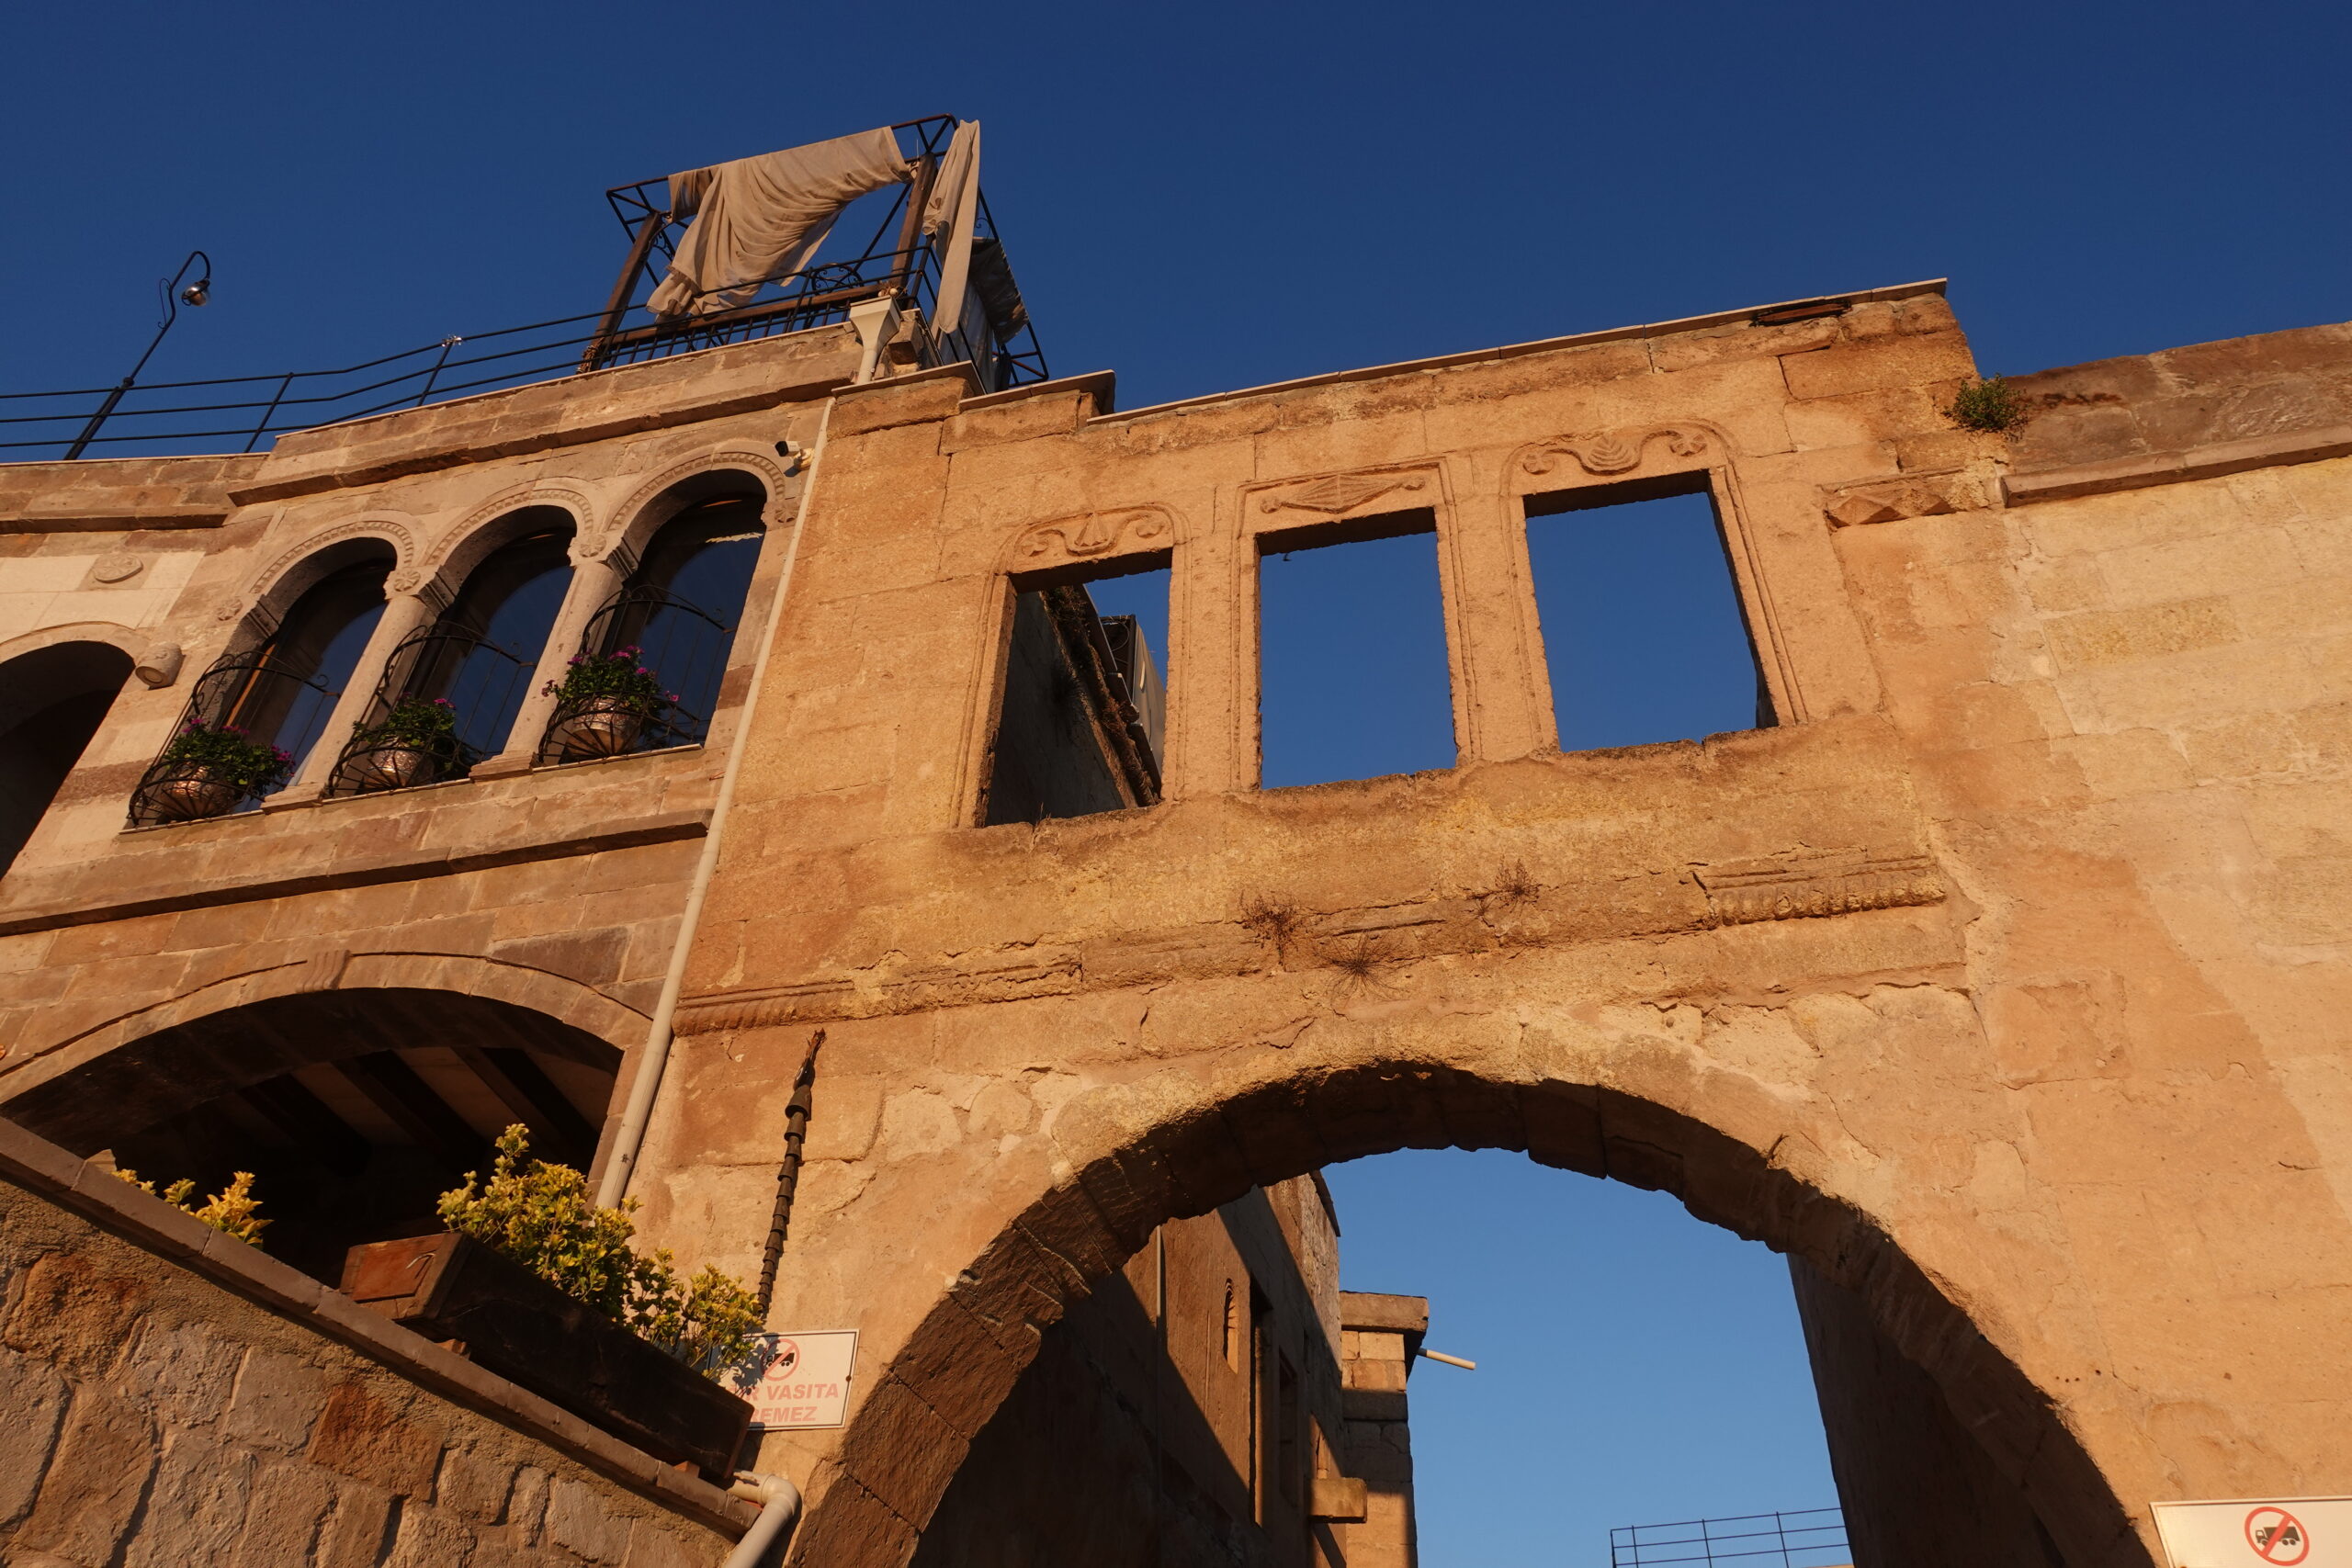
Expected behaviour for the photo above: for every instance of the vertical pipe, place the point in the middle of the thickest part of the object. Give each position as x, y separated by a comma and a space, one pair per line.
787, 1176
628, 1139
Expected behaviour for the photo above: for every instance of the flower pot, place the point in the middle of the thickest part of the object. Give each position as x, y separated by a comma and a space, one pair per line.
600, 726
192, 794
451, 1287
391, 767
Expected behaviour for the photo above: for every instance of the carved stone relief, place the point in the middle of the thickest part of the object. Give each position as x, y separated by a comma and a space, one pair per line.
773, 474
1335, 495
1891, 501
1615, 451
1091, 535
1806, 882
395, 533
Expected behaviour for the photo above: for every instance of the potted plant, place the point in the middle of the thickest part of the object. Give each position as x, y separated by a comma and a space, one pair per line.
604, 703
543, 1287
206, 771
415, 743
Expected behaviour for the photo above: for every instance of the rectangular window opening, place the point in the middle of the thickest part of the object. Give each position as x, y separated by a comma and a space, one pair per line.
1643, 627
1081, 714
1353, 677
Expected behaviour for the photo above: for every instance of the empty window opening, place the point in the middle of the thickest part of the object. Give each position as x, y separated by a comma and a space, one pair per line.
51, 702
1289, 1451
1352, 665
1082, 717
1642, 622
451, 690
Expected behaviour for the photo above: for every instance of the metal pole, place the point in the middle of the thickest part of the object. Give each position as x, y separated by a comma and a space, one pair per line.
276, 398
435, 375
171, 314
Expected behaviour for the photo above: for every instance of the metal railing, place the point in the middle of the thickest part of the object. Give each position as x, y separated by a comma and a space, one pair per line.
484, 685
684, 646
247, 696
1808, 1537
247, 413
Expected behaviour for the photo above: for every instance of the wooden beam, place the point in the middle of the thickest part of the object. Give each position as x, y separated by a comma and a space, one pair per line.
524, 1087
287, 1104
393, 1088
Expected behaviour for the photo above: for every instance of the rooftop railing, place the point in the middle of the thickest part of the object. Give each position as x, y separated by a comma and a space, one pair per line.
1809, 1538
245, 413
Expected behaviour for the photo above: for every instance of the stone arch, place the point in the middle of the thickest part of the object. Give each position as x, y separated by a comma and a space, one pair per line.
496, 522
53, 700
1128, 1159
274, 590
130, 639
355, 1094
635, 522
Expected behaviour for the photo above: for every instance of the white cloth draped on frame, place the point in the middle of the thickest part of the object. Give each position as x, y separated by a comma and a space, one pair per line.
954, 208
761, 218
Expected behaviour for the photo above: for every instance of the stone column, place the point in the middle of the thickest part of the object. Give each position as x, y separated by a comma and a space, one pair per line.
593, 583
1502, 699
403, 613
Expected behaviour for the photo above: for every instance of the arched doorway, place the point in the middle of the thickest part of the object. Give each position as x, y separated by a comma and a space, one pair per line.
354, 1108
971, 1350
52, 702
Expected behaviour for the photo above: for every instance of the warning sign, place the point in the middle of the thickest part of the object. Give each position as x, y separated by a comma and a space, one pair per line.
799, 1381
2253, 1533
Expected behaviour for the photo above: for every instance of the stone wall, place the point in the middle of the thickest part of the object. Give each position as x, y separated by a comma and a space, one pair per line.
171, 1396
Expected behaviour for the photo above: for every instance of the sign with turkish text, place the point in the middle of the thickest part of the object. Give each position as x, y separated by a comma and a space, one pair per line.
797, 1382
2257, 1533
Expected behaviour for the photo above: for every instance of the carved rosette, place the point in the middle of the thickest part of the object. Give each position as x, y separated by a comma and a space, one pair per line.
1337, 495
1808, 885
1891, 501
1093, 535
1615, 451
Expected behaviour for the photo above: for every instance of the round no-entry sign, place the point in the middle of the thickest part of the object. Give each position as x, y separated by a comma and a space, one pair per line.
2276, 1536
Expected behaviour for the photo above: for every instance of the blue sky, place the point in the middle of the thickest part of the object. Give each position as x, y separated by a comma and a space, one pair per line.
1216, 195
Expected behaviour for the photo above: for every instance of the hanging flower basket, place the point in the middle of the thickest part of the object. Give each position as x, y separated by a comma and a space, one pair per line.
415, 743
603, 705
208, 772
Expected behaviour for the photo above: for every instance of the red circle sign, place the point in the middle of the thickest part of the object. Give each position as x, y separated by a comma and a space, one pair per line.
2276, 1536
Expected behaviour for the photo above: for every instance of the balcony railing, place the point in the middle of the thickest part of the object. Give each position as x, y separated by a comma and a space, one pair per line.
683, 645
1809, 1538
484, 686
248, 696
245, 413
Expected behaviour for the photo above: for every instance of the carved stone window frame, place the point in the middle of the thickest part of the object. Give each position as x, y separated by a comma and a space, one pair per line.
1658, 454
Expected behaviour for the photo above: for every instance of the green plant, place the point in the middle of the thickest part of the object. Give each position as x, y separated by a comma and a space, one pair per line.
1992, 405
540, 1216
422, 724
616, 674
227, 754
233, 1209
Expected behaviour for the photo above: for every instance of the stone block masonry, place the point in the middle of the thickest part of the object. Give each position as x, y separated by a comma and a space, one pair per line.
171, 1396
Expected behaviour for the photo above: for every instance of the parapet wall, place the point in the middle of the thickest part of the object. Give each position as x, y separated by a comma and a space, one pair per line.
171, 1396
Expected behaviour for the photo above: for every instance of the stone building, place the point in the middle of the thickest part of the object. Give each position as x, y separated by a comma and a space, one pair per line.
1994, 977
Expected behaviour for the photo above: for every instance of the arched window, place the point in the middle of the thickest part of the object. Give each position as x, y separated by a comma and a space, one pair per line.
52, 702
255, 715
451, 690
676, 622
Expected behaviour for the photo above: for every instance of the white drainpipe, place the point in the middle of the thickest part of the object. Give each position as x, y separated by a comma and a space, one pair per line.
630, 1138
779, 1500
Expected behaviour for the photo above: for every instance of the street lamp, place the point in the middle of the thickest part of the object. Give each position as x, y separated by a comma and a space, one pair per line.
173, 297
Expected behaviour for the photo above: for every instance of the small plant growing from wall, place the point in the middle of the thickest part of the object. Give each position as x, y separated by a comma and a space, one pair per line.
233, 1209
1993, 406
540, 1216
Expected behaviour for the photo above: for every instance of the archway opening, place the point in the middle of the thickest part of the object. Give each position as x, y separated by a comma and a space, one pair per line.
52, 701
354, 1109
1967, 1430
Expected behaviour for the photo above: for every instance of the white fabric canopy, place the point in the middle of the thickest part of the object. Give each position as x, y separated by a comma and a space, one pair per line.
761, 218
955, 208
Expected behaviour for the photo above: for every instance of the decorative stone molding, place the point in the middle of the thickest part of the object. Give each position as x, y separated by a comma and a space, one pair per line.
110, 570
622, 520
1615, 451
1806, 882
1335, 495
1093, 535
396, 532
1914, 495
507, 501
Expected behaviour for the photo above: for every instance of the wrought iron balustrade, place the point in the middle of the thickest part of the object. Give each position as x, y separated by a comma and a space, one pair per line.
248, 696
1808, 1537
483, 685
684, 648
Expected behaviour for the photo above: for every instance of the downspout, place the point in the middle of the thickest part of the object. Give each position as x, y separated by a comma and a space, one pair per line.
659, 1034
779, 1500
